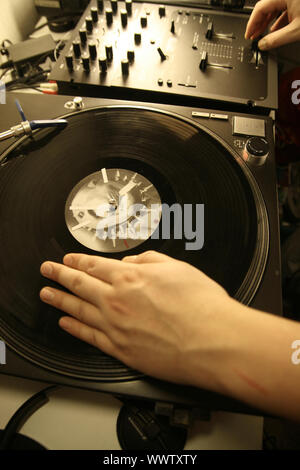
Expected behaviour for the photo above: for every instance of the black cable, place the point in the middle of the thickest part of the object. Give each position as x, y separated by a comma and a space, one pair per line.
22, 414
58, 19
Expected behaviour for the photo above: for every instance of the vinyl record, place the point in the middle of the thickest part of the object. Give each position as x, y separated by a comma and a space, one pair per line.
182, 162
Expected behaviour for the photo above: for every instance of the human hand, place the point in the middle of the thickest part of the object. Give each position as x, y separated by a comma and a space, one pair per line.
154, 313
286, 28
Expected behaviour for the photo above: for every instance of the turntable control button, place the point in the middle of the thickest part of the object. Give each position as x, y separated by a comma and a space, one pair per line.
86, 62
124, 17
93, 50
109, 16
169, 83
78, 102
76, 48
222, 117
144, 21
137, 38
128, 5
209, 31
162, 11
94, 14
160, 82
103, 64
100, 5
130, 55
89, 24
83, 35
256, 151
69, 61
125, 66
109, 52
114, 5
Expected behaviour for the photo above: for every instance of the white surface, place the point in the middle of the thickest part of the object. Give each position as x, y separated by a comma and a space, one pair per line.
17, 19
82, 420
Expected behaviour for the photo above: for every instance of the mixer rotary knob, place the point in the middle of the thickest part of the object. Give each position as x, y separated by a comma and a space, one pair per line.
93, 50
83, 35
128, 5
69, 61
109, 52
109, 16
256, 151
94, 14
103, 64
125, 66
89, 24
100, 5
86, 62
114, 5
76, 48
124, 18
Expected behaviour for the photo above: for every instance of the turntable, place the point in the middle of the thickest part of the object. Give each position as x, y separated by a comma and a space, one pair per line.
174, 155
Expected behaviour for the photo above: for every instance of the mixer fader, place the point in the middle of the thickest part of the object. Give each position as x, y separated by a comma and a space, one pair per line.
162, 52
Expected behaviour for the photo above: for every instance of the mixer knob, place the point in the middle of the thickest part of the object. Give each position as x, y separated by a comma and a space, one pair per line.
256, 151
203, 61
93, 50
76, 48
130, 55
162, 11
114, 5
103, 64
124, 17
143, 21
209, 31
86, 62
137, 38
69, 61
89, 24
94, 14
125, 66
109, 16
109, 52
100, 5
83, 35
128, 5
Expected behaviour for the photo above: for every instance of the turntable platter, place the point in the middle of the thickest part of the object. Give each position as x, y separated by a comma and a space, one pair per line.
184, 162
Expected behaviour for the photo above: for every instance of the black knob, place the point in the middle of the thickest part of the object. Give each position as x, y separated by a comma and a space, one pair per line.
109, 52
203, 61
103, 64
125, 66
162, 11
143, 21
124, 17
100, 5
128, 5
256, 151
76, 48
69, 61
83, 35
109, 16
86, 62
94, 14
93, 50
89, 24
137, 38
161, 53
209, 31
130, 55
114, 5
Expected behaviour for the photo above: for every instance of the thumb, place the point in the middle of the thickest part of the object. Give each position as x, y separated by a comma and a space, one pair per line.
148, 257
286, 35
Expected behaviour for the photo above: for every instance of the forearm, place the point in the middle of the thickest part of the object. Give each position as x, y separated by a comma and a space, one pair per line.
252, 360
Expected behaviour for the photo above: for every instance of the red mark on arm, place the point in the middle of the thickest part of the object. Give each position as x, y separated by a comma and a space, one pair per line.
251, 382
